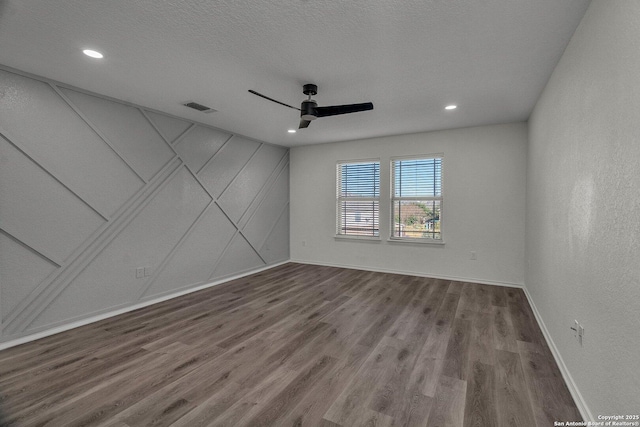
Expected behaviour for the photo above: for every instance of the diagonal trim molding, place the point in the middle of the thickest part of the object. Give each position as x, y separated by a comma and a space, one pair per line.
264, 190
25, 317
284, 209
30, 248
149, 283
34, 159
215, 200
270, 184
224, 144
95, 129
145, 113
26, 312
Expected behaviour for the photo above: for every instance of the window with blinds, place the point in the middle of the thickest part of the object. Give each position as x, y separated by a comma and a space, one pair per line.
416, 197
358, 199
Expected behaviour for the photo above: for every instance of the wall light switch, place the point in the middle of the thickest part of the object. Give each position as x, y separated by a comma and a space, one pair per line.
474, 256
139, 272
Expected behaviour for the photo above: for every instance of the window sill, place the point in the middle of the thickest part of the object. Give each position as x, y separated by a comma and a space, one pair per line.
416, 241
358, 238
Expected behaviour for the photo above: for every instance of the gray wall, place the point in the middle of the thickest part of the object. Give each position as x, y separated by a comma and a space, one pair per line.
483, 207
91, 189
583, 204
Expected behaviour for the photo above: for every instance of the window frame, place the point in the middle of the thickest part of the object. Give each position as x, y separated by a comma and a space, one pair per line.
393, 200
340, 199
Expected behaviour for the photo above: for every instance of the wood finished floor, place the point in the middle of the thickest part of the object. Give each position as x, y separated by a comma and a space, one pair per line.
298, 345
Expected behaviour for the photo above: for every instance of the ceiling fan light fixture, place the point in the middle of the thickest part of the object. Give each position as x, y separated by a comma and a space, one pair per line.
308, 110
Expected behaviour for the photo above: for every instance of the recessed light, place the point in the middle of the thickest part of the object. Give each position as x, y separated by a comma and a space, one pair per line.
291, 131
450, 107
93, 53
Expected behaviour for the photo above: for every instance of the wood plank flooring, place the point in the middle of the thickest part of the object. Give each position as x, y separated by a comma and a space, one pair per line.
297, 345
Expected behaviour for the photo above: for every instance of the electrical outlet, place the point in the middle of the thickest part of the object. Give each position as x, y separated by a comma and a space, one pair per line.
139, 272
474, 256
578, 331
147, 271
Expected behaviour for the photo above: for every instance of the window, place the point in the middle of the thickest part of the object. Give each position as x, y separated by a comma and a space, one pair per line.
416, 197
358, 199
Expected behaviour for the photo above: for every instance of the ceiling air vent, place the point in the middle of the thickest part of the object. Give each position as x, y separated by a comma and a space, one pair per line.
199, 107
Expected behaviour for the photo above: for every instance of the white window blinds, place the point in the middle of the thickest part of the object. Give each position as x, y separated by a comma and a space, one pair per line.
358, 199
416, 197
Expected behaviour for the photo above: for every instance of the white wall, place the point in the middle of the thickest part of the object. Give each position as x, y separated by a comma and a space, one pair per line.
484, 204
91, 189
583, 206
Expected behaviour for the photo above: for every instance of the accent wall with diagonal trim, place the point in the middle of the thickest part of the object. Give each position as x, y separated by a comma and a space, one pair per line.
95, 193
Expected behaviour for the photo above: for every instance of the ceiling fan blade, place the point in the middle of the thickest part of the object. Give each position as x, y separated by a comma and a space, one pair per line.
334, 110
273, 100
304, 123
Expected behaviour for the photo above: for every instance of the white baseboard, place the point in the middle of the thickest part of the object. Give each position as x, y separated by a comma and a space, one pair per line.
414, 273
112, 313
568, 379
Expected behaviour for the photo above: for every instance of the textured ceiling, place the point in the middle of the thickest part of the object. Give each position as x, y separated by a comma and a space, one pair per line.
409, 57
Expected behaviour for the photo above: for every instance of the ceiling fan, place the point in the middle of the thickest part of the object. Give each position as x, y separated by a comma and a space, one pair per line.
309, 109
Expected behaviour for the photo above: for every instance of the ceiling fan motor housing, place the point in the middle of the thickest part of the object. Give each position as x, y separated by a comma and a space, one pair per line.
308, 110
